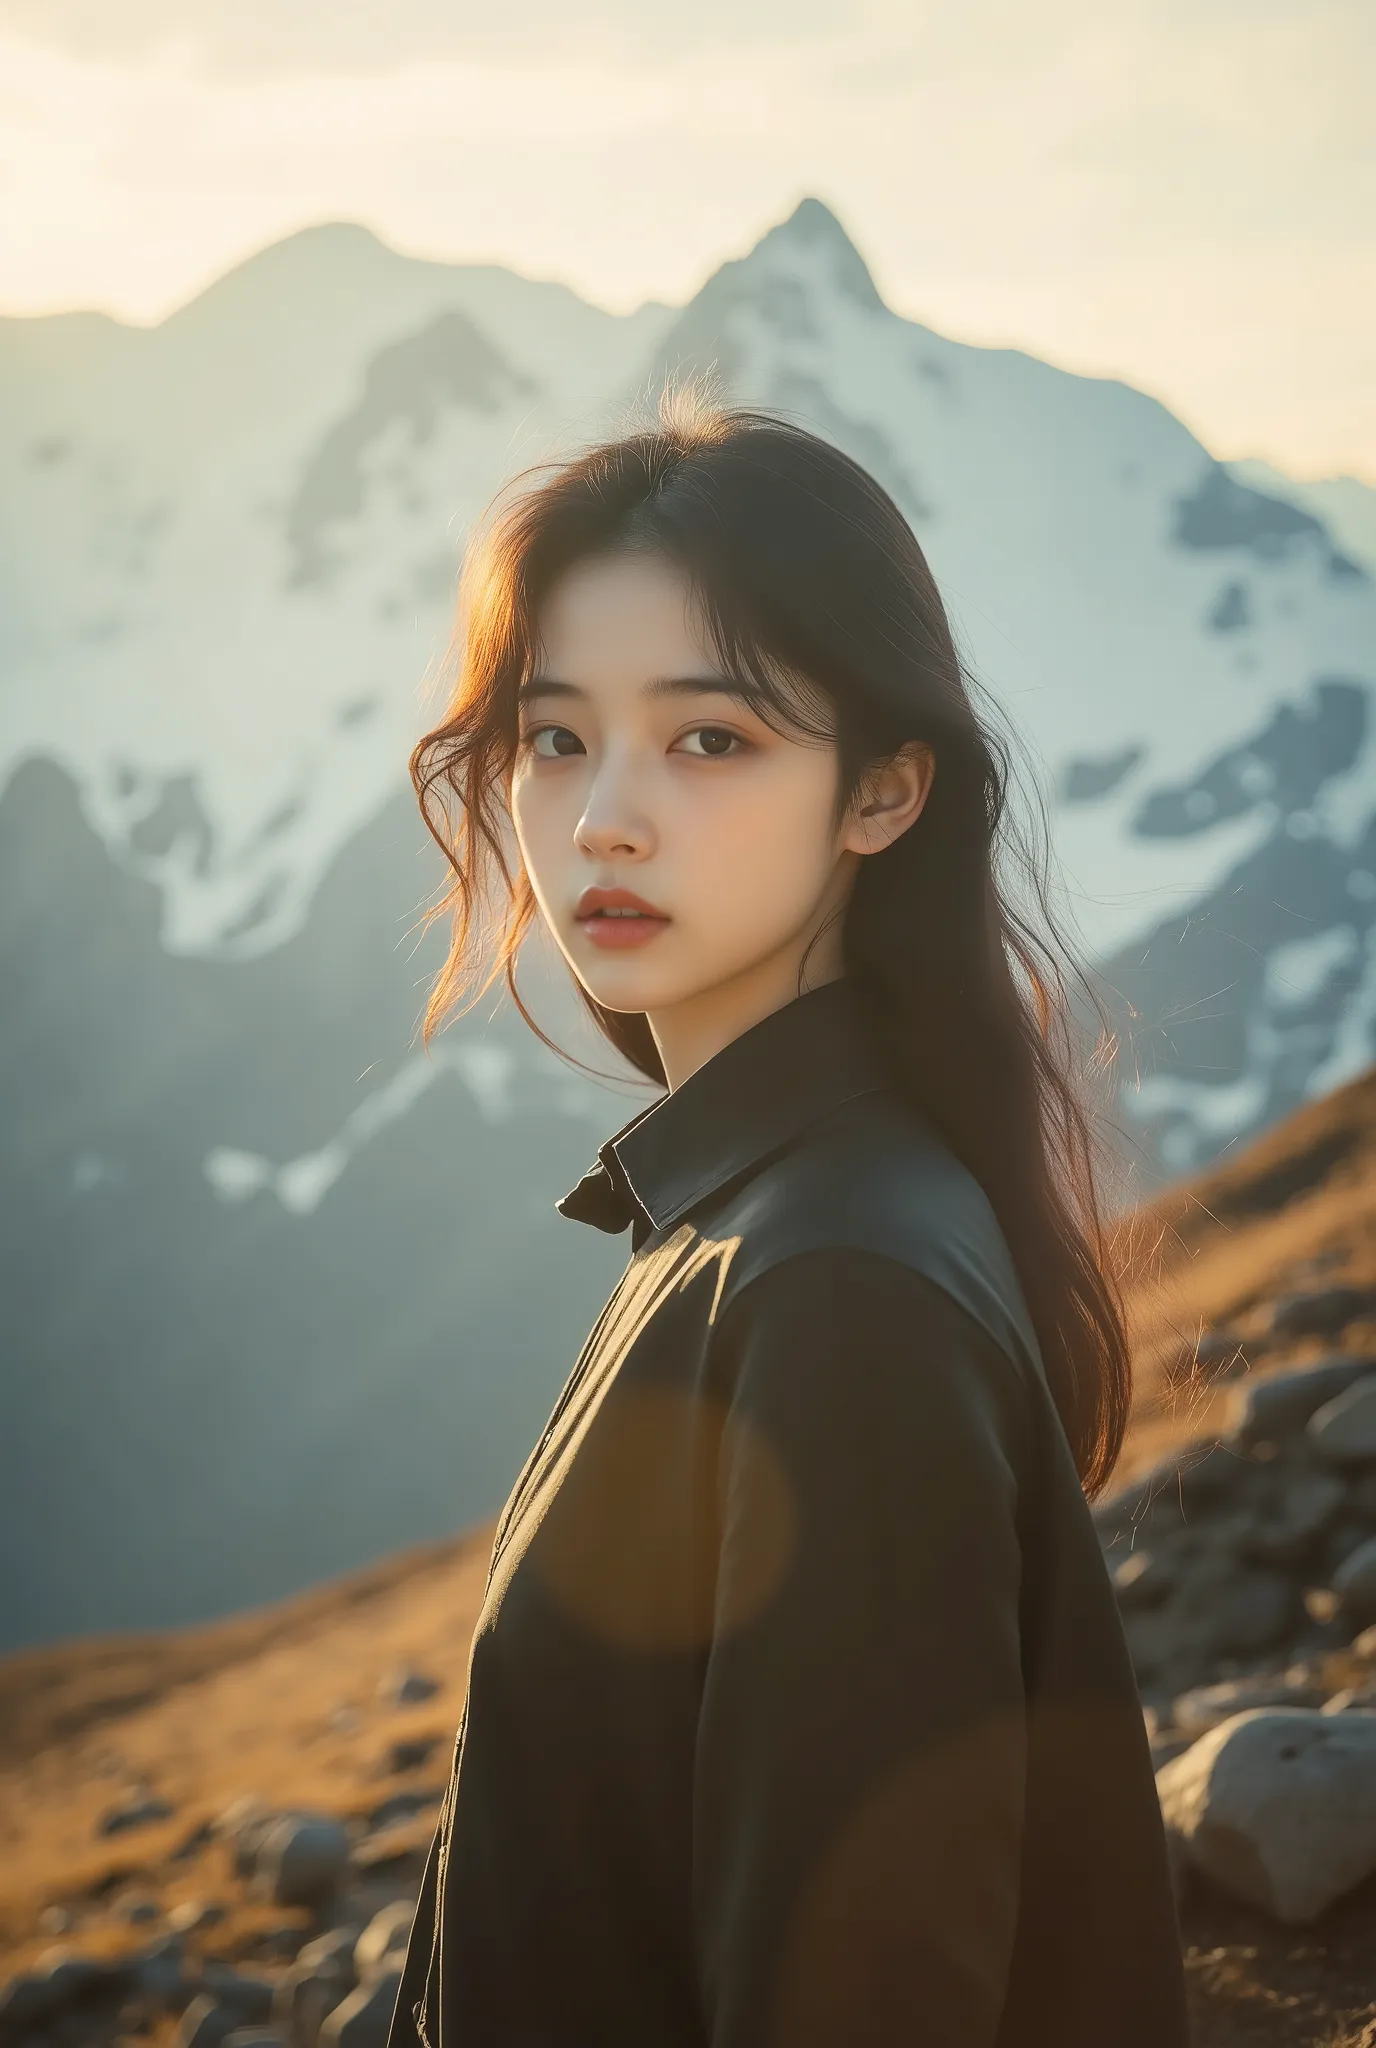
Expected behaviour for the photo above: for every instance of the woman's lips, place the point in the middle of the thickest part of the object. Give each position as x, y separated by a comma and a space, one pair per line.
616, 917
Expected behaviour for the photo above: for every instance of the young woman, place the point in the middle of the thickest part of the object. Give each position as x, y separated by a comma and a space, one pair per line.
798, 1710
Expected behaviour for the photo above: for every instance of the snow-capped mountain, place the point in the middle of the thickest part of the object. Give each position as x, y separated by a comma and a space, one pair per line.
287, 1289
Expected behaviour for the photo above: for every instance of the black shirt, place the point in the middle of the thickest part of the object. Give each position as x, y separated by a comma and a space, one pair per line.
799, 1710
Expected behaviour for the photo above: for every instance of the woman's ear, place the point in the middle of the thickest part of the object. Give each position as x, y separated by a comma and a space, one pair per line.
889, 799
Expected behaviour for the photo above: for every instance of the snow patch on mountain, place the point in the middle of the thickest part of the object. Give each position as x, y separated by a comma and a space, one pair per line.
1344, 504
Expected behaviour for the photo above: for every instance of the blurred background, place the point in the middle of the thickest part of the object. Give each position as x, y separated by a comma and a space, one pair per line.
288, 291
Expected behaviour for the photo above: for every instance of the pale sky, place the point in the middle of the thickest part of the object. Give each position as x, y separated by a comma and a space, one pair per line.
1178, 192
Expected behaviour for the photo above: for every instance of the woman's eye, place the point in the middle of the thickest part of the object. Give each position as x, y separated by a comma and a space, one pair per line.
556, 734
718, 742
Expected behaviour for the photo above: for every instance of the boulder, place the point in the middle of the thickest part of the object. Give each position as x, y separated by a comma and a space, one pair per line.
1343, 1430
1237, 1610
139, 1812
1144, 1578
320, 1979
1322, 1312
1219, 1353
1272, 1410
156, 1976
301, 1859
365, 2018
195, 1916
241, 1827
404, 1806
1165, 1505
1278, 1807
333, 1949
1207, 1706
1354, 1582
411, 1753
31, 1999
138, 1910
1220, 1609
205, 2024
382, 1943
246, 2000
407, 1688
1290, 1528
1353, 1699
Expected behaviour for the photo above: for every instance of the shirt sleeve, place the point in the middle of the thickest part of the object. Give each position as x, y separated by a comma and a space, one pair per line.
859, 1767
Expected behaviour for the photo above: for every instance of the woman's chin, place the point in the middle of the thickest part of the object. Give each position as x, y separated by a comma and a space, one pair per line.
624, 990
626, 984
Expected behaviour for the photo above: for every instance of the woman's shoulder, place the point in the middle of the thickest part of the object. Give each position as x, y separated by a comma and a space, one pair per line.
874, 1178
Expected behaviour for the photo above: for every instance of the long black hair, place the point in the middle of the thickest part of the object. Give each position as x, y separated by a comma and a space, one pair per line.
820, 602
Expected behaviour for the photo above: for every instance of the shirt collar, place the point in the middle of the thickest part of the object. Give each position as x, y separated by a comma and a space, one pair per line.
747, 1101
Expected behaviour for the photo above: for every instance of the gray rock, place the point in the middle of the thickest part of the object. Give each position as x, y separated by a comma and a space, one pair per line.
139, 1812
1165, 1505
383, 1941
1288, 1532
242, 1827
1165, 1748
1219, 1353
319, 1980
306, 2000
1324, 1312
1240, 1611
1353, 1699
1344, 1430
139, 1910
403, 1806
247, 2000
194, 1916
411, 1753
1278, 1807
364, 2019
1354, 1582
334, 1949
1208, 1706
1221, 1609
1270, 1411
157, 1974
31, 1998
255, 2037
301, 1859
1203, 1478
205, 2024
407, 1688
1144, 1578
1340, 1539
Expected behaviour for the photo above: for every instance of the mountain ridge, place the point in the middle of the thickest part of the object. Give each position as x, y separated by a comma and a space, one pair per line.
228, 553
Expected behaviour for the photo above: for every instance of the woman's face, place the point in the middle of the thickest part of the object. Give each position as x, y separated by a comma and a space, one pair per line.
639, 771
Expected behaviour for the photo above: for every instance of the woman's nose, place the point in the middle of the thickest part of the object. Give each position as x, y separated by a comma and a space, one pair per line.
613, 820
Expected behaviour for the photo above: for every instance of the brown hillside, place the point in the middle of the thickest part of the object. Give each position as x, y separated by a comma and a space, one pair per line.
285, 1703
1296, 1210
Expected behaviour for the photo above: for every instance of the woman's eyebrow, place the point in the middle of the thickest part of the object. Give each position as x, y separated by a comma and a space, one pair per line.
696, 686
547, 686
657, 686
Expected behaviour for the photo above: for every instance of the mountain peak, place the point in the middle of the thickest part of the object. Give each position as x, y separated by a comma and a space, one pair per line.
813, 226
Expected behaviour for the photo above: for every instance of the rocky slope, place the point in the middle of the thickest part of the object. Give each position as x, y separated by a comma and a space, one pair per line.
196, 1829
